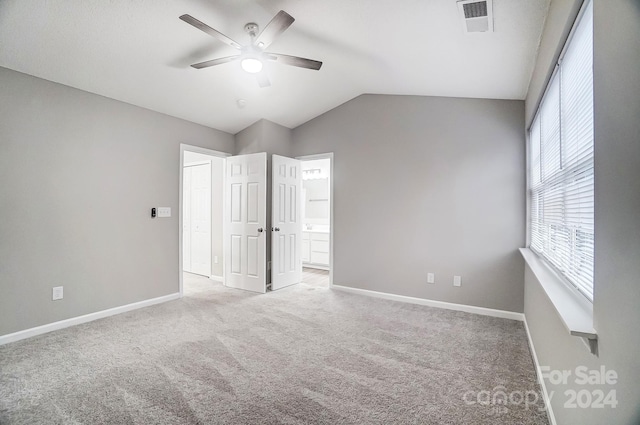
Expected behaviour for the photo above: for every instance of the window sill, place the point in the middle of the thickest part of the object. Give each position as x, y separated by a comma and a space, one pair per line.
575, 311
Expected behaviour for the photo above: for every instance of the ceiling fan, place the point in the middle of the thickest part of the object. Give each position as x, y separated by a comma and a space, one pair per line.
253, 55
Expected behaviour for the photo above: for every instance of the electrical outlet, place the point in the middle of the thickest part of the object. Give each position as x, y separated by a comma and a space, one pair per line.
431, 278
215, 259
457, 281
58, 293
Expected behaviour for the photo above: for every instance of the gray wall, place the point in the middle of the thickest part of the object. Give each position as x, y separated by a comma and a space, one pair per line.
617, 229
264, 136
79, 175
272, 138
425, 184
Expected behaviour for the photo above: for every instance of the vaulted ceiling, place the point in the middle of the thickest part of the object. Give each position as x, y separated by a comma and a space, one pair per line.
139, 52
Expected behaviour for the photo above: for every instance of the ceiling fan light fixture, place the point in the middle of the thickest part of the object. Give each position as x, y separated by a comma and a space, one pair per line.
251, 65
252, 56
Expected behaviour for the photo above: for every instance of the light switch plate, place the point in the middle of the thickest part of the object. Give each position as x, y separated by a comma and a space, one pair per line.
57, 293
164, 211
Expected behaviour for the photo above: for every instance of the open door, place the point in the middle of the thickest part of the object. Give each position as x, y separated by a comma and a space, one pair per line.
245, 222
286, 219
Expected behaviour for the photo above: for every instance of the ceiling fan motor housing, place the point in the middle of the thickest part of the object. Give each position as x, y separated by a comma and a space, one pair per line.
252, 29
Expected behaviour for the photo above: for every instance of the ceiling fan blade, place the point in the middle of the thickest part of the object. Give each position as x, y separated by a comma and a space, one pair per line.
263, 80
206, 28
277, 26
213, 62
294, 61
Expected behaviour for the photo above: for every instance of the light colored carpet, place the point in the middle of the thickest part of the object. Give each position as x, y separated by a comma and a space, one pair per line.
304, 354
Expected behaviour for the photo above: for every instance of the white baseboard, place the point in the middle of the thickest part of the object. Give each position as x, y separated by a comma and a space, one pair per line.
314, 266
39, 330
432, 303
217, 278
545, 393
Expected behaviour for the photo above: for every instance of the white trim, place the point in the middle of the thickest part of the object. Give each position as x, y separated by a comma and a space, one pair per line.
332, 226
204, 151
545, 393
197, 149
195, 164
527, 154
575, 311
39, 330
217, 278
437, 304
316, 266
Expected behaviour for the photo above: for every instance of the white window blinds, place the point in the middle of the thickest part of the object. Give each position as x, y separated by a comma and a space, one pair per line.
561, 164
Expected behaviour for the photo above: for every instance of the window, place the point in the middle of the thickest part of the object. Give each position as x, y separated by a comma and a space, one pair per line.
561, 177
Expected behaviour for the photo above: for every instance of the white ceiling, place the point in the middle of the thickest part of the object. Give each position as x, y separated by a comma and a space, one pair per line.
139, 52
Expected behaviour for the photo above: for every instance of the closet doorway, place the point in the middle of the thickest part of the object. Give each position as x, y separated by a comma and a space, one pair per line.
201, 213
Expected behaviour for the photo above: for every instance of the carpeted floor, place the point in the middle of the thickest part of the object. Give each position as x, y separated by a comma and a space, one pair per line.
304, 354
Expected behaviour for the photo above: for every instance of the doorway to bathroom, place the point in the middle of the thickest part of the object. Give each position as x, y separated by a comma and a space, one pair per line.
317, 213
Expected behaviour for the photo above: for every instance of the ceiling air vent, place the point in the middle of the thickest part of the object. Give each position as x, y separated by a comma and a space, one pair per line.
477, 16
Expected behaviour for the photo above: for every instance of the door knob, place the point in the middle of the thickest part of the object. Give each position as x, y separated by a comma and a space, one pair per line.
260, 230
277, 229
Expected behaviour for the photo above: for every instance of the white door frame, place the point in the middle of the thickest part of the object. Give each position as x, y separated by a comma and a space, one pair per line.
205, 151
332, 226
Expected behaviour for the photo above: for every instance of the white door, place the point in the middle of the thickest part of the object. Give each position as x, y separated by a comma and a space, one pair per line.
201, 219
186, 219
245, 222
196, 225
286, 222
